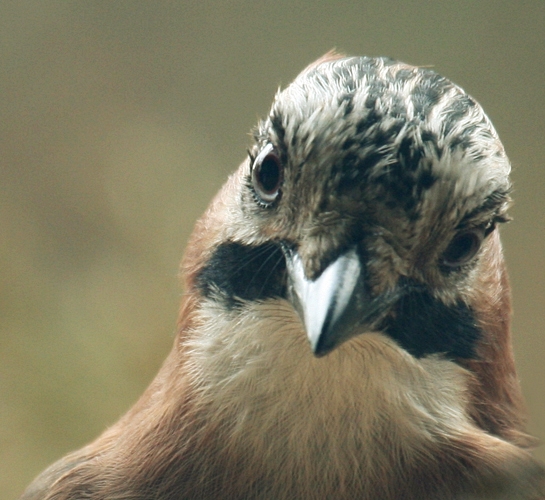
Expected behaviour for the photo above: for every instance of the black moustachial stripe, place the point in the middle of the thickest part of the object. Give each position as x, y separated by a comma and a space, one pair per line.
424, 325
420, 323
238, 272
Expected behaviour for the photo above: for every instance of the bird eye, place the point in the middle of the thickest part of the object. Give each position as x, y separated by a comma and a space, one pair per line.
462, 248
267, 175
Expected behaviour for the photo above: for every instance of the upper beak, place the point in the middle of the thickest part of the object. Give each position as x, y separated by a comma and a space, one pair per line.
335, 306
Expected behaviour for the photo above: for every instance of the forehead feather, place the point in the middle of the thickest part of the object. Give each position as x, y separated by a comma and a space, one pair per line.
375, 121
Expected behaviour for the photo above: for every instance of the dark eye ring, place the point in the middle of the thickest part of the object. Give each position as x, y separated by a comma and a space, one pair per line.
463, 247
267, 175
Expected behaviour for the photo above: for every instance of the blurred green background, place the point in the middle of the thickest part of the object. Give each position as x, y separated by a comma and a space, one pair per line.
121, 119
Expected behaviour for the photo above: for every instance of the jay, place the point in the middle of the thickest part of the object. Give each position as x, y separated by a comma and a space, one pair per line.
345, 328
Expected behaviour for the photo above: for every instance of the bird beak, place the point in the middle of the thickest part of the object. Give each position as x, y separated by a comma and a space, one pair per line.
335, 306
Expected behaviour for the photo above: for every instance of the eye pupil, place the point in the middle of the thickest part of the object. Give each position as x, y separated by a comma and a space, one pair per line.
267, 175
462, 248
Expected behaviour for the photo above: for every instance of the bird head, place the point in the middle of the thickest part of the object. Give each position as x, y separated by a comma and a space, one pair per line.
369, 200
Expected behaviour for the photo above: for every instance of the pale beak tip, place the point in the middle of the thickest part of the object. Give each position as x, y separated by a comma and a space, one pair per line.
320, 351
319, 345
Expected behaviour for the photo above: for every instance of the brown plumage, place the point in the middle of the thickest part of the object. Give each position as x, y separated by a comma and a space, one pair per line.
364, 221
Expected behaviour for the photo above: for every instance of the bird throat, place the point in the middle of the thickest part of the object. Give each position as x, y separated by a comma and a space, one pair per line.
366, 407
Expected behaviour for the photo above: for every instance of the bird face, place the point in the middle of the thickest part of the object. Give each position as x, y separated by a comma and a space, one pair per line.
369, 201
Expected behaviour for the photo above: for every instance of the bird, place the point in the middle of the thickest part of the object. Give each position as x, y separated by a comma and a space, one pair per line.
344, 330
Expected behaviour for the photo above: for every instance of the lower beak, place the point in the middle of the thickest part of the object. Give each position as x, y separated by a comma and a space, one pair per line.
335, 306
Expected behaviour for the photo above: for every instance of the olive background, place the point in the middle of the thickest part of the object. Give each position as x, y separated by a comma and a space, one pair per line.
119, 122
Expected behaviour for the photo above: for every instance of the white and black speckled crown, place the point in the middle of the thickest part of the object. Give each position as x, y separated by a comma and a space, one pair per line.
401, 134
